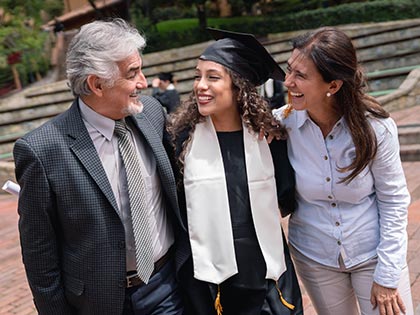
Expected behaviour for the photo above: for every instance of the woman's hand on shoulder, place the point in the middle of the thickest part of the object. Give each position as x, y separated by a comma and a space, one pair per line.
388, 300
269, 136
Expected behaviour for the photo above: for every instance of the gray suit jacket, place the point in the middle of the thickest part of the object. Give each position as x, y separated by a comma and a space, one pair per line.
72, 238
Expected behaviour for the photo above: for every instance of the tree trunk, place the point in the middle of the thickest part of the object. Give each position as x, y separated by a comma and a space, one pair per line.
202, 19
16, 78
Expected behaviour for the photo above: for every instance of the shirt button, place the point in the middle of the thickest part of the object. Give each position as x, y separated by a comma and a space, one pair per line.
333, 205
328, 179
339, 243
330, 197
331, 137
325, 157
337, 223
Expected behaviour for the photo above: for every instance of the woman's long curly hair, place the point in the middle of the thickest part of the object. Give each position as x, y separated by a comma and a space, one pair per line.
334, 56
253, 109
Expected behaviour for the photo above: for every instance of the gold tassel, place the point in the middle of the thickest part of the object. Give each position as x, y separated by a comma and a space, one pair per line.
217, 304
282, 299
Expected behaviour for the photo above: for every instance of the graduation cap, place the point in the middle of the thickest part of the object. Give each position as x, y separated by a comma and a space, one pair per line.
243, 54
165, 76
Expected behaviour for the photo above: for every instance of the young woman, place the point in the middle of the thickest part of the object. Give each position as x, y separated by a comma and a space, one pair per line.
231, 256
348, 234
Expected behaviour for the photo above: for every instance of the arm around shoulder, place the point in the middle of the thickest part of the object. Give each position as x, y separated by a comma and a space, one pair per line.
285, 177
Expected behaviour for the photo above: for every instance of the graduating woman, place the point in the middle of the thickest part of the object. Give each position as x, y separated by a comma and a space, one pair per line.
232, 253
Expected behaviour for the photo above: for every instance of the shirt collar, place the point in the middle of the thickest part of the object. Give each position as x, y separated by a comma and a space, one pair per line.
104, 125
302, 117
171, 87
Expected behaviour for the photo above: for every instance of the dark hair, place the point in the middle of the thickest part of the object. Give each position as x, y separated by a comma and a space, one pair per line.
334, 55
253, 109
166, 76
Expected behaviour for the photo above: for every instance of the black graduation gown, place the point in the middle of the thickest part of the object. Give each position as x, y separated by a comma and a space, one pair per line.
247, 292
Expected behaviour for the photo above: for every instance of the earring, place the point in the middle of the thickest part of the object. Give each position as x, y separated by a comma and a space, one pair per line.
328, 94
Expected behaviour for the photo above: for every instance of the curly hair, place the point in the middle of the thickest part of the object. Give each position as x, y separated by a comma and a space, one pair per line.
334, 55
253, 108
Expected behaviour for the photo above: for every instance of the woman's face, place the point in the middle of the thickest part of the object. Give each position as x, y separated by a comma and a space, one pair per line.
213, 91
307, 88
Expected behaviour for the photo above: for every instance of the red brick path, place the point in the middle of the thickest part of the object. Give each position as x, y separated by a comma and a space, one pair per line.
15, 297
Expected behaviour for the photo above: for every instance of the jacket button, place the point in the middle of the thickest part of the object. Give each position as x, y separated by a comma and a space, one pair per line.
121, 245
121, 284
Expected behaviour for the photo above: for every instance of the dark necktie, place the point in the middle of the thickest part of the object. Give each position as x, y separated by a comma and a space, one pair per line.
137, 198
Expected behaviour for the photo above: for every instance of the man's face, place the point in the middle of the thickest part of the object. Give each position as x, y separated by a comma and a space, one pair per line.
122, 99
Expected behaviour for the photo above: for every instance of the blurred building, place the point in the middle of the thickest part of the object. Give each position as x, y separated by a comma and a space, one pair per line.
79, 12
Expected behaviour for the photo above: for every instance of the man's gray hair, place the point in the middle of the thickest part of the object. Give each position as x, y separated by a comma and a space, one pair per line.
96, 49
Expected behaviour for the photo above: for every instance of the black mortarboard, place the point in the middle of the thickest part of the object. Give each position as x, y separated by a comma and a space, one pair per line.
243, 54
165, 76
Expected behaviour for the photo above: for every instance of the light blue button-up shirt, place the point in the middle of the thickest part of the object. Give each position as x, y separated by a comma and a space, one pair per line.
359, 220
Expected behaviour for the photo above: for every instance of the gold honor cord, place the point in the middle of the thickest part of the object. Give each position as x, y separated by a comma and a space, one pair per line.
283, 300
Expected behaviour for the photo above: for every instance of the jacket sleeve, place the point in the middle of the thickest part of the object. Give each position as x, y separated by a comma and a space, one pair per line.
285, 177
38, 224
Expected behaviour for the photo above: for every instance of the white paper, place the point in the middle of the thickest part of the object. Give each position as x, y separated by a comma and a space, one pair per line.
11, 187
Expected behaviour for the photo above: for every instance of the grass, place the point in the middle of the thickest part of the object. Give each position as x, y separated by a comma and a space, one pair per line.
186, 24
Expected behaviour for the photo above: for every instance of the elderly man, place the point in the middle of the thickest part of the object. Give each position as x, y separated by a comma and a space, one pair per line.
98, 207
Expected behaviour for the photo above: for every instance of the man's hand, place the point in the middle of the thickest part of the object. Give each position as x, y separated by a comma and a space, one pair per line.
387, 299
155, 82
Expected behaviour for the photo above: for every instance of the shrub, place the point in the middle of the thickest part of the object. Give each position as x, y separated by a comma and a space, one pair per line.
186, 32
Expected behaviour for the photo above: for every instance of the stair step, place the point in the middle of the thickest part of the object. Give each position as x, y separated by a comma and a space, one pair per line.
411, 171
410, 152
409, 134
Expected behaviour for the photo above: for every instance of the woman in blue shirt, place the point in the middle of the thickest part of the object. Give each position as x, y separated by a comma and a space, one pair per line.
348, 235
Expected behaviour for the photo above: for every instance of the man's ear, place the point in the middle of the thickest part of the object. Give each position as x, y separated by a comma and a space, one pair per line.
335, 86
95, 84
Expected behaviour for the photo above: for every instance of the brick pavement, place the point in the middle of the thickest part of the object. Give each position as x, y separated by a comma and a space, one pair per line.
15, 297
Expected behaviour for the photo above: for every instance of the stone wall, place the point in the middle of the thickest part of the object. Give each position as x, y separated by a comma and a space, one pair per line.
407, 95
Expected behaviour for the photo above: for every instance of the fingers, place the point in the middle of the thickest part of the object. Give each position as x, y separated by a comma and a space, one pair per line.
388, 300
270, 138
400, 303
373, 301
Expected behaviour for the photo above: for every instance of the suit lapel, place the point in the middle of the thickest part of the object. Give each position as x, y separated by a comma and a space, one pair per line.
85, 151
163, 164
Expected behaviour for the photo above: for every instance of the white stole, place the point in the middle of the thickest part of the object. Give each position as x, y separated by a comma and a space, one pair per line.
208, 213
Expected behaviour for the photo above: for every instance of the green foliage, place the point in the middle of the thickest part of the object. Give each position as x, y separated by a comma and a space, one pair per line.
33, 8
172, 13
185, 24
21, 32
374, 11
178, 33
